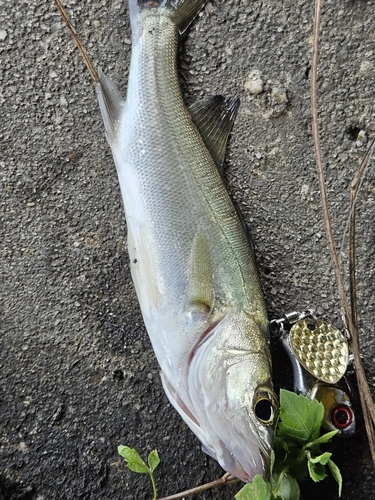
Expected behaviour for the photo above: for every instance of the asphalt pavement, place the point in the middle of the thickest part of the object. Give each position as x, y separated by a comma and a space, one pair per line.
78, 375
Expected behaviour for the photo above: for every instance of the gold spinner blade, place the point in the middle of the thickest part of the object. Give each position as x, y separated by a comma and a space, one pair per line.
320, 348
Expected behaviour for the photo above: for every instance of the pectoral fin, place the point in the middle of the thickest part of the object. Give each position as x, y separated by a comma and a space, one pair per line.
214, 117
200, 292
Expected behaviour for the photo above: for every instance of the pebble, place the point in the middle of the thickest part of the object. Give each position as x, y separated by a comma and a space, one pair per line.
304, 191
361, 138
254, 83
23, 447
3, 35
279, 94
365, 67
342, 55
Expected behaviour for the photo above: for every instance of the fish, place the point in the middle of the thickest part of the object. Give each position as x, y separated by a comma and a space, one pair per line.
191, 261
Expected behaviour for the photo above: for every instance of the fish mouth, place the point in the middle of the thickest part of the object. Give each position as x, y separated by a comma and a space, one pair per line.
248, 475
242, 467
245, 467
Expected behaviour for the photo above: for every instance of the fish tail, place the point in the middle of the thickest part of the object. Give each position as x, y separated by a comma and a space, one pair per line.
182, 12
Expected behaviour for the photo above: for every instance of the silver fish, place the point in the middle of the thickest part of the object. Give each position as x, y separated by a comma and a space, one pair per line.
191, 262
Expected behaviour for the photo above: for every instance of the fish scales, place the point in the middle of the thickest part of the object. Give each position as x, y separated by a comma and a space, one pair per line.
191, 262
161, 160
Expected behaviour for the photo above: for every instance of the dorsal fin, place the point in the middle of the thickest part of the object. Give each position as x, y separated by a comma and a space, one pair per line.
214, 117
111, 105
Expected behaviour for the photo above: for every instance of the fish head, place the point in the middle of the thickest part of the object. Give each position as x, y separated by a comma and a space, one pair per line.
232, 400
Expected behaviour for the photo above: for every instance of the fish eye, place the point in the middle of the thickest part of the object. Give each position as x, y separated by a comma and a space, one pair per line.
265, 407
264, 410
341, 416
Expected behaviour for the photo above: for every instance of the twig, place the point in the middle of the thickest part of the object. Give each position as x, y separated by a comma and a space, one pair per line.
349, 316
357, 180
354, 188
319, 164
226, 479
81, 48
367, 403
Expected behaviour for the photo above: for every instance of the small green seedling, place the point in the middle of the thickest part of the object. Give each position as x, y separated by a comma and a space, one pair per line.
136, 464
297, 454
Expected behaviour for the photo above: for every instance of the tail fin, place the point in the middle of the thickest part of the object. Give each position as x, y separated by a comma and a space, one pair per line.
182, 12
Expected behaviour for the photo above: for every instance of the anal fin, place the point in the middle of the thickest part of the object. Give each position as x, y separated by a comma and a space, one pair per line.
111, 105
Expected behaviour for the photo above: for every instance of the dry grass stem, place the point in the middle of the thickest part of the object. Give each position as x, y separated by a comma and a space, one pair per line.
349, 315
354, 190
226, 479
81, 48
367, 403
319, 163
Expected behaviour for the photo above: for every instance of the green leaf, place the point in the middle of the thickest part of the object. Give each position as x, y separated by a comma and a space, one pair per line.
281, 452
320, 459
282, 447
133, 460
335, 471
301, 417
299, 469
153, 460
317, 471
290, 433
324, 438
297, 452
273, 457
258, 489
288, 489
